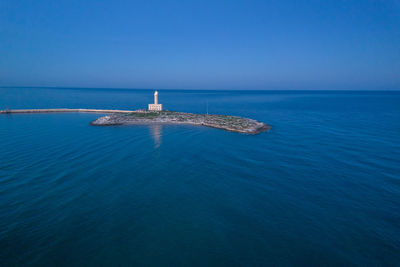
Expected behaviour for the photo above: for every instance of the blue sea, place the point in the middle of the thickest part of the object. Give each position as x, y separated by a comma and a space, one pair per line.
321, 188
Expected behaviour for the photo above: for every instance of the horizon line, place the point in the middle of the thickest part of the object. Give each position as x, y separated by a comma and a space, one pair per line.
157, 88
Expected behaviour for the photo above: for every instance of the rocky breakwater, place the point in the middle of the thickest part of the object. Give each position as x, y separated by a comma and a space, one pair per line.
225, 122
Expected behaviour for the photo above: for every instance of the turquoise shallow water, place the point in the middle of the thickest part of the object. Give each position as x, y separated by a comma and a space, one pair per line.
321, 188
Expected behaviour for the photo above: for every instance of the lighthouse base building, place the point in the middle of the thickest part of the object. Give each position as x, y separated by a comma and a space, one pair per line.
155, 107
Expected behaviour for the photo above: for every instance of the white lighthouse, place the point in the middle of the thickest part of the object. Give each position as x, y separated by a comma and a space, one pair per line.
155, 106
156, 97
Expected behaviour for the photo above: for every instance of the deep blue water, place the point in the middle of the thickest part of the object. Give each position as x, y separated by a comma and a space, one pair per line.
321, 188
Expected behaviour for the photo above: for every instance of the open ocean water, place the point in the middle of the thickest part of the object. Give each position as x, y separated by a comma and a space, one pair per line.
322, 187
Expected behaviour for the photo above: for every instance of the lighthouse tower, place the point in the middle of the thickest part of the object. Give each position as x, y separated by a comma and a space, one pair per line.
155, 106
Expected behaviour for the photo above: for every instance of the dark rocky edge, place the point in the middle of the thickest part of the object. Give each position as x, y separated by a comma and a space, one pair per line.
225, 122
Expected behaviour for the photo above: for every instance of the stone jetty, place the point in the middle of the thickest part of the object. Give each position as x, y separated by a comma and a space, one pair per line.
64, 110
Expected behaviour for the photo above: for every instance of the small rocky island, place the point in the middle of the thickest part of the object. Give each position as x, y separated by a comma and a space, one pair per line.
155, 114
225, 122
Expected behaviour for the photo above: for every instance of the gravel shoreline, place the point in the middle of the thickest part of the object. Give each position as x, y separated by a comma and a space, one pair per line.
224, 122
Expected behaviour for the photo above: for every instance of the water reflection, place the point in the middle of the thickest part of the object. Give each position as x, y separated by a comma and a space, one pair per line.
156, 131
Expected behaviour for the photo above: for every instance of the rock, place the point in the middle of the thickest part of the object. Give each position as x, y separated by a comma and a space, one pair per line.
225, 122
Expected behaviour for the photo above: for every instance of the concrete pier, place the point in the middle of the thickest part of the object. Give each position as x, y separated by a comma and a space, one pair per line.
63, 110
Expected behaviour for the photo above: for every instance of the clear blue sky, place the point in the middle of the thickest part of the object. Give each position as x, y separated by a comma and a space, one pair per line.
201, 44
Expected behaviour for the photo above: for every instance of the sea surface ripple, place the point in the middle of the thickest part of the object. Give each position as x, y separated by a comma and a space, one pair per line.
322, 187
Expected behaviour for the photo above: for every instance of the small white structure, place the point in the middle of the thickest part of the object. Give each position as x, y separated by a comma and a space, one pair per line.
155, 106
